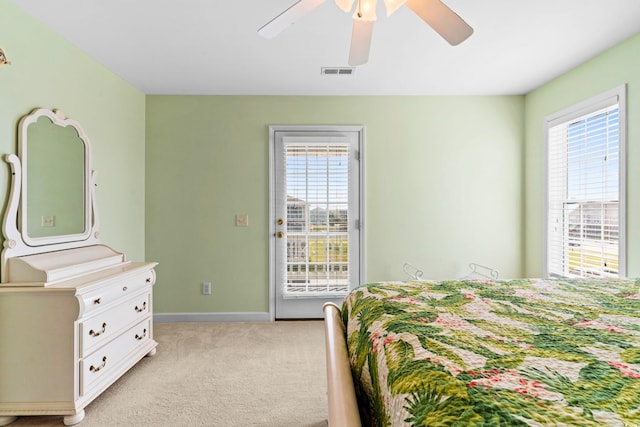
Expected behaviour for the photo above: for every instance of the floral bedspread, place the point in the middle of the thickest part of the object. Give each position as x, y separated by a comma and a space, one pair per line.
514, 353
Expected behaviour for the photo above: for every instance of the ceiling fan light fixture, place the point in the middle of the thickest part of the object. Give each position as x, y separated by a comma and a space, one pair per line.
366, 10
447, 23
393, 5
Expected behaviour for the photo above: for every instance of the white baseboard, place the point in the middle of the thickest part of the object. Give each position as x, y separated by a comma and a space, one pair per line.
211, 317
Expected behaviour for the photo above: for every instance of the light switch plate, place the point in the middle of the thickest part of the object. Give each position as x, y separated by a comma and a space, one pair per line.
48, 221
242, 220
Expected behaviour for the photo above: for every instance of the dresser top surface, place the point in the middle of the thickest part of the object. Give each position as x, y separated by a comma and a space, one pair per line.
68, 267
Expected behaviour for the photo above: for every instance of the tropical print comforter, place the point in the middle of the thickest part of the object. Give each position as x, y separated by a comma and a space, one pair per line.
488, 353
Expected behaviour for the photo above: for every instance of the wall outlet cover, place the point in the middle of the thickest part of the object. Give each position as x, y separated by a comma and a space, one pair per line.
206, 288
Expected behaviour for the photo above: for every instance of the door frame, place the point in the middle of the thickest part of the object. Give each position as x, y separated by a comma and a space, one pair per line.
272, 202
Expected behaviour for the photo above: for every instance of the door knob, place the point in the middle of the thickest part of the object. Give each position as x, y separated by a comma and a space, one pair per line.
280, 234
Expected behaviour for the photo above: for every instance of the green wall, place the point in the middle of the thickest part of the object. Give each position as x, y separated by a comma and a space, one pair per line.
449, 180
618, 65
443, 188
46, 71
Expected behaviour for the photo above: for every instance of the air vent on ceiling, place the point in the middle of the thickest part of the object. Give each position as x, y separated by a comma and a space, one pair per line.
337, 71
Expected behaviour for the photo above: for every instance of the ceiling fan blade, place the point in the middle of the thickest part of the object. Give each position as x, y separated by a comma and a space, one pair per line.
360, 42
288, 17
443, 20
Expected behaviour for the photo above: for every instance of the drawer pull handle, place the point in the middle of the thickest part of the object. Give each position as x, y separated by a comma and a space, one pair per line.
124, 289
144, 307
97, 300
95, 334
96, 369
144, 334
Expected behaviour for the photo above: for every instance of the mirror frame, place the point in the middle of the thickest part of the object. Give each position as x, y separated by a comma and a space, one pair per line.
17, 241
56, 118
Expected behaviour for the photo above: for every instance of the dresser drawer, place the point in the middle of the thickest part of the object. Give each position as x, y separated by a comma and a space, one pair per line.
113, 291
110, 360
102, 327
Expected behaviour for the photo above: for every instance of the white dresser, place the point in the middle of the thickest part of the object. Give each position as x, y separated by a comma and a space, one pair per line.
71, 323
75, 315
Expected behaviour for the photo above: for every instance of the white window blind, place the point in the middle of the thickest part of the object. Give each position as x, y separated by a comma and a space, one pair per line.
317, 222
584, 192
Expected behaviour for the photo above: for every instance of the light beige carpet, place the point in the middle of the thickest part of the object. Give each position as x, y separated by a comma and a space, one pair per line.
219, 374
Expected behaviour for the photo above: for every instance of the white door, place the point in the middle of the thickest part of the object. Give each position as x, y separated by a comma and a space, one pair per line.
315, 217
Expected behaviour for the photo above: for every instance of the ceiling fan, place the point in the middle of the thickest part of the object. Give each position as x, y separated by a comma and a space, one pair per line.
443, 20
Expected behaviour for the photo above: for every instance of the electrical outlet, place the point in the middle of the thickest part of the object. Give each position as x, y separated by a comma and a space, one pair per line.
206, 288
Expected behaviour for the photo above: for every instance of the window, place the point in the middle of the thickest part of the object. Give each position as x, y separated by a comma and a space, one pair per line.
317, 181
585, 189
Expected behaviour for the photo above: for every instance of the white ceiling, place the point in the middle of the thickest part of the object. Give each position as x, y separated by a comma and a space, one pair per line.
211, 47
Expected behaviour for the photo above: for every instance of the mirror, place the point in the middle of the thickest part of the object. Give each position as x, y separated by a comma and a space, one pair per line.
54, 182
52, 198
55, 199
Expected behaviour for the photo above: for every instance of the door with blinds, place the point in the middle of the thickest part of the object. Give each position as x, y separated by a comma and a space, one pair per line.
316, 218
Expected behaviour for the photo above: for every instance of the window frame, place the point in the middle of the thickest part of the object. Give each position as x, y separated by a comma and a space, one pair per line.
575, 111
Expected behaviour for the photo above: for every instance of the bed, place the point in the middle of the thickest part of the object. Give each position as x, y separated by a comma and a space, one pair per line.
527, 352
